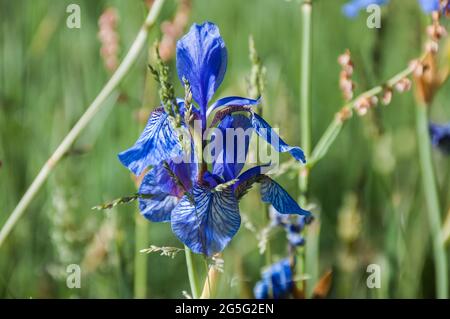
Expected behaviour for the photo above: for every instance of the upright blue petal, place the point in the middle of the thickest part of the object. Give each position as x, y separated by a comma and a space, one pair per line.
273, 193
440, 137
263, 129
352, 8
429, 6
232, 142
202, 60
158, 142
232, 101
207, 224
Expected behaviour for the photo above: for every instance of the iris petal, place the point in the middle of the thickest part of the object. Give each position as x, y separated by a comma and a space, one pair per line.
202, 60
207, 225
158, 142
232, 101
158, 203
263, 129
232, 140
273, 193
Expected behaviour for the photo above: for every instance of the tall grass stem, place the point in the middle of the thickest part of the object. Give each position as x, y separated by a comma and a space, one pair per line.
432, 201
192, 274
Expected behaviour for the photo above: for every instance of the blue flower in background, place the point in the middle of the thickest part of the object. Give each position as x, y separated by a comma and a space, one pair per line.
352, 8
429, 5
202, 204
277, 281
440, 137
292, 226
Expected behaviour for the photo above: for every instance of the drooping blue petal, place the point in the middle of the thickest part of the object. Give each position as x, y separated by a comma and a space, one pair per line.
232, 140
263, 129
246, 180
352, 8
162, 191
440, 137
232, 101
202, 60
273, 193
207, 224
157, 204
429, 6
158, 142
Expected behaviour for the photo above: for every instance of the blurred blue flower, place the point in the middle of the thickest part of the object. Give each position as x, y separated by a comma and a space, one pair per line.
429, 5
293, 226
352, 8
440, 137
202, 206
277, 281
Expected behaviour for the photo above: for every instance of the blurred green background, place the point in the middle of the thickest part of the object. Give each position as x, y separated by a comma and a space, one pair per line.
366, 190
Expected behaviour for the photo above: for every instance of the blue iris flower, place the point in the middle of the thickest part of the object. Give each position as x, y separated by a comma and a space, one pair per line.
352, 8
440, 137
277, 281
202, 204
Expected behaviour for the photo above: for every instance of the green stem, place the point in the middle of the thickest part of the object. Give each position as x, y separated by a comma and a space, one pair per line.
140, 260
193, 280
305, 91
432, 200
305, 106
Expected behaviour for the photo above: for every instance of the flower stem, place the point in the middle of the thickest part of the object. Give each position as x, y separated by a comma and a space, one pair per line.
305, 106
432, 200
193, 280
305, 91
85, 119
140, 260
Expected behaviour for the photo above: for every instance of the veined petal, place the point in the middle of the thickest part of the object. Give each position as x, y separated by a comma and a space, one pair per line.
273, 193
202, 60
207, 224
232, 101
160, 202
158, 142
264, 130
232, 139
165, 184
